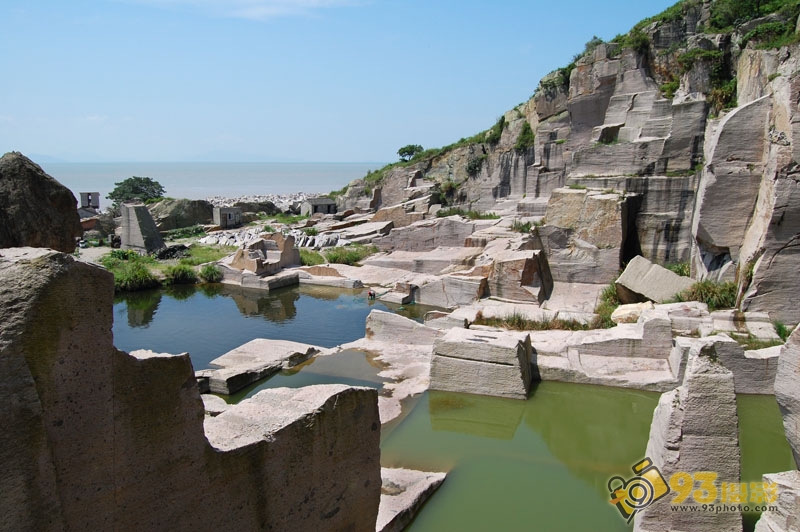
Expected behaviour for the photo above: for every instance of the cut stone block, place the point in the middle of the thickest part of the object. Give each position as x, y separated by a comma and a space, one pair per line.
482, 362
644, 281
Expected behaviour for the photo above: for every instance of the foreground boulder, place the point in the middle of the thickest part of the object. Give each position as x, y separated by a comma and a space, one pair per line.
695, 428
35, 209
787, 500
787, 391
96, 439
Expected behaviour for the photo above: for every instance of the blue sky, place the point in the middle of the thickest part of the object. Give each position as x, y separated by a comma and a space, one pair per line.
277, 80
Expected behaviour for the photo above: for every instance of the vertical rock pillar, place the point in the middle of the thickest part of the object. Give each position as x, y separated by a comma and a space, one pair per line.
695, 430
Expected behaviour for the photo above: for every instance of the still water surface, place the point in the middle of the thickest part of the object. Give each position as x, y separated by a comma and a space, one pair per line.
541, 464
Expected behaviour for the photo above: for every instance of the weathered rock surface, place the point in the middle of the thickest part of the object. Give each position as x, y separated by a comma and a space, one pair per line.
482, 362
253, 361
644, 281
787, 517
138, 230
403, 493
695, 428
405, 347
35, 209
428, 234
96, 439
171, 214
787, 391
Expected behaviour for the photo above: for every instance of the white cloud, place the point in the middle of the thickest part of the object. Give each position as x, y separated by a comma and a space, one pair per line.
251, 9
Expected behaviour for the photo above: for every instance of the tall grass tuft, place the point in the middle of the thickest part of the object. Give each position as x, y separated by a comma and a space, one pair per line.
180, 274
211, 273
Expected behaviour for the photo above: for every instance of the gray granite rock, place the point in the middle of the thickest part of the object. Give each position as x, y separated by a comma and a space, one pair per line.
96, 439
787, 391
695, 428
482, 362
35, 209
644, 281
403, 493
253, 361
786, 518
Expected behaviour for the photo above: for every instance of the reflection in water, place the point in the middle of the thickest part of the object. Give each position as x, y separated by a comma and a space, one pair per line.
209, 320
141, 306
506, 470
597, 432
351, 367
489, 417
277, 305
180, 292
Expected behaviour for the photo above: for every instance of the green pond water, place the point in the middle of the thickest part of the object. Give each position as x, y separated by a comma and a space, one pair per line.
541, 464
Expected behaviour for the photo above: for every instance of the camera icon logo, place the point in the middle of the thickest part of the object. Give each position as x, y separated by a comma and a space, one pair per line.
639, 492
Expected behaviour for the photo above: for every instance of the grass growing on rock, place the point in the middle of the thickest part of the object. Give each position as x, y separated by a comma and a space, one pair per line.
519, 322
350, 255
715, 295
605, 307
309, 257
472, 215
781, 330
520, 227
681, 268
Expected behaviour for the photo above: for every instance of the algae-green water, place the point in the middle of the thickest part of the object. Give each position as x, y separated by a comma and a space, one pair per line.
541, 464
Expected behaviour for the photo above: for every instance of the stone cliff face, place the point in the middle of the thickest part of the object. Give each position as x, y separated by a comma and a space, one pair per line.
35, 209
696, 128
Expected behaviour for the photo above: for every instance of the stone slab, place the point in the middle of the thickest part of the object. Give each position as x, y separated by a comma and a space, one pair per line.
403, 493
644, 281
253, 361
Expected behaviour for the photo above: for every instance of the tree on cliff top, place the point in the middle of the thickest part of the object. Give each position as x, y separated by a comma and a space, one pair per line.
136, 188
408, 152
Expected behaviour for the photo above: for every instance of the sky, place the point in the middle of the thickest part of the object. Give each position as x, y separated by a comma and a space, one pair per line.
277, 80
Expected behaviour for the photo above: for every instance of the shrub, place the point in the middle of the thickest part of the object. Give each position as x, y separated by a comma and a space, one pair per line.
669, 88
493, 137
475, 164
715, 295
311, 231
349, 255
133, 275
180, 274
635, 39
309, 257
211, 273
526, 138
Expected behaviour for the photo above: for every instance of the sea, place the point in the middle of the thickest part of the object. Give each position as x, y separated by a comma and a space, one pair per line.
200, 180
